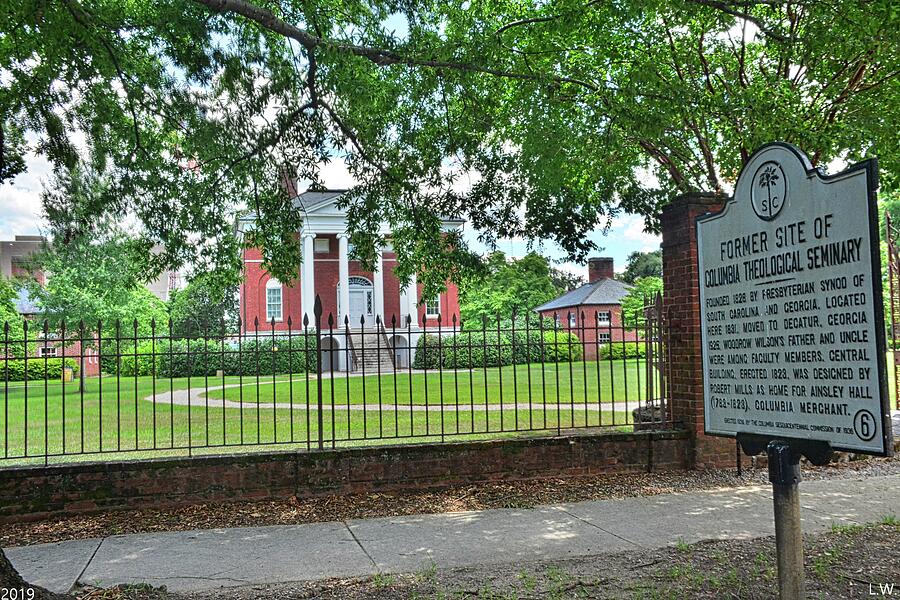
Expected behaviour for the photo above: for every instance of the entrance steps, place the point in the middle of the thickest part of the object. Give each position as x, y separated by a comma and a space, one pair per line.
371, 351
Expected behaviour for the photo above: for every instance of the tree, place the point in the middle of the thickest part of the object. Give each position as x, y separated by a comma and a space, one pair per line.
565, 281
553, 110
201, 308
643, 291
507, 286
643, 264
97, 281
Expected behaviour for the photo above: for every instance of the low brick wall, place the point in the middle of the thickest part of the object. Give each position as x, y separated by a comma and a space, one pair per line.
32, 493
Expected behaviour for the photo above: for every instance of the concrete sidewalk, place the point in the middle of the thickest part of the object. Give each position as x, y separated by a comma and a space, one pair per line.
208, 559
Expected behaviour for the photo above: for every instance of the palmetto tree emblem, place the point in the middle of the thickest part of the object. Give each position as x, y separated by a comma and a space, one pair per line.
769, 177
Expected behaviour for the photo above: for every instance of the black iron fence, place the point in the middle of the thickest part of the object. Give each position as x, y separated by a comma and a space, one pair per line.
139, 390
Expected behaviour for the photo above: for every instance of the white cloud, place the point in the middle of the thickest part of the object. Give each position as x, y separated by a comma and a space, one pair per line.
631, 227
20, 200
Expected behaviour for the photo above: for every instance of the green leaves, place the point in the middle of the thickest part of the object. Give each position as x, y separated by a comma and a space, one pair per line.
534, 120
507, 287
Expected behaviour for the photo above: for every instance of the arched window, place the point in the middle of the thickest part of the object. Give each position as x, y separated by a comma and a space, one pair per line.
273, 300
358, 282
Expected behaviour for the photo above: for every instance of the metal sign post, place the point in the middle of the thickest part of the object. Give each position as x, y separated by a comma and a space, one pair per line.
792, 324
784, 474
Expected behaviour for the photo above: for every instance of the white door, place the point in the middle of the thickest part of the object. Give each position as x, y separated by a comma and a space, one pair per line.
361, 302
358, 307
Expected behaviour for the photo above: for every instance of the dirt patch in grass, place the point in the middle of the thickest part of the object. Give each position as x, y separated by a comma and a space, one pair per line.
518, 494
842, 564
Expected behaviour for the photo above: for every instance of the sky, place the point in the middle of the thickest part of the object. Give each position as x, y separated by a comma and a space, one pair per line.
20, 214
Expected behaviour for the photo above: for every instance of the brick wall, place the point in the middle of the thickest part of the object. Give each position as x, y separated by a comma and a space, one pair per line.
253, 292
681, 298
32, 493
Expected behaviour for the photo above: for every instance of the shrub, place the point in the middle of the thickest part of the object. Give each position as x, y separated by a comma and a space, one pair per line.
272, 356
476, 349
427, 354
473, 349
526, 346
14, 369
620, 350
561, 346
199, 357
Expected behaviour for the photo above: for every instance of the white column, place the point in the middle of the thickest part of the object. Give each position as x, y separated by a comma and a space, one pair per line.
378, 277
412, 294
344, 279
308, 280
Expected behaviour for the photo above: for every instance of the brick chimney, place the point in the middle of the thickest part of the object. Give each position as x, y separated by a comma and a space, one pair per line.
600, 267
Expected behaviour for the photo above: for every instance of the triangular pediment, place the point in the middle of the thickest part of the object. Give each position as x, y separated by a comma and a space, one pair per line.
319, 201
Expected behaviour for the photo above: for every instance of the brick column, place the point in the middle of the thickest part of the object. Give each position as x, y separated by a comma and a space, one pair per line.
681, 298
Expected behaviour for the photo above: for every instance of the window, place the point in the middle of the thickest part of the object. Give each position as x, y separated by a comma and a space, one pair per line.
604, 317
322, 245
604, 338
433, 306
47, 351
573, 319
273, 300
556, 319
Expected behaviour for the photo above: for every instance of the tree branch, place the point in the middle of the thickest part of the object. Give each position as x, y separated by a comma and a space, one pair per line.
379, 56
728, 8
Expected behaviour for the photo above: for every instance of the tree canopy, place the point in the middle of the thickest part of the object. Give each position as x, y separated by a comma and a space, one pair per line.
539, 120
643, 291
643, 264
98, 281
507, 286
202, 308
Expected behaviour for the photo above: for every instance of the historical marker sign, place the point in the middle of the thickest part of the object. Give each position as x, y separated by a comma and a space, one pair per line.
791, 306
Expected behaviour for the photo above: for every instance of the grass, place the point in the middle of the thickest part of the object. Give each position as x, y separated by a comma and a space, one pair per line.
112, 418
563, 383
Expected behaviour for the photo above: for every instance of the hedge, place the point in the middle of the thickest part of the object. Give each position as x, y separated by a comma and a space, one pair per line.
620, 350
199, 358
469, 350
560, 346
14, 369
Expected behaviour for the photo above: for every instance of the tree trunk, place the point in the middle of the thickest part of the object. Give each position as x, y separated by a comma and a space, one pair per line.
10, 579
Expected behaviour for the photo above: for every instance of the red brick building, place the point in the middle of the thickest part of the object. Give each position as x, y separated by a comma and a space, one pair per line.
345, 288
600, 301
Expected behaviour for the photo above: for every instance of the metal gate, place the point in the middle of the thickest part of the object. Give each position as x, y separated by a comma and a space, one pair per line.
892, 235
655, 338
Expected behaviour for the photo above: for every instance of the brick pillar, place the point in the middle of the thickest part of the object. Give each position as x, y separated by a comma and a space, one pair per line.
681, 298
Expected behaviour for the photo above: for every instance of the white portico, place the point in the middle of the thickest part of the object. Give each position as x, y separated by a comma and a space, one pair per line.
346, 289
359, 297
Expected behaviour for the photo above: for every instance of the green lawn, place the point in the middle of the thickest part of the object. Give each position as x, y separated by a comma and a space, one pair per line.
566, 383
114, 419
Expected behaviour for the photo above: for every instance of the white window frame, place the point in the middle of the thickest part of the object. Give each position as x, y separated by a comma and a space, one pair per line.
48, 351
271, 285
573, 319
607, 320
434, 302
604, 337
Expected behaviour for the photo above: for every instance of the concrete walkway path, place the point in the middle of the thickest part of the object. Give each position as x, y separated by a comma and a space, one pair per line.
209, 559
199, 397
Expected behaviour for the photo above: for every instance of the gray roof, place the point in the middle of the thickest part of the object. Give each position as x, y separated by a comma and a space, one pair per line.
602, 291
311, 199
